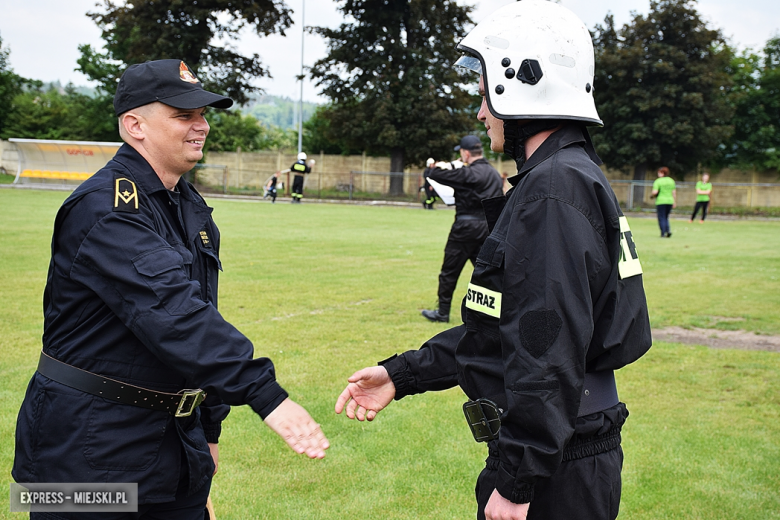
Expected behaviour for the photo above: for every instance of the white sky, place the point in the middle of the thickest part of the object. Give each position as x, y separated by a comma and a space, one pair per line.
43, 35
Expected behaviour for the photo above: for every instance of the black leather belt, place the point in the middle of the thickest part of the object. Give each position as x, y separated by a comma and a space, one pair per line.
180, 404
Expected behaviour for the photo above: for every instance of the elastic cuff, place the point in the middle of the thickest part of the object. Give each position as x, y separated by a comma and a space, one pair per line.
509, 488
271, 396
212, 431
398, 369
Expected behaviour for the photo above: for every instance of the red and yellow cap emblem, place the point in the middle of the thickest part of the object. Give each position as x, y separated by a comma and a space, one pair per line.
186, 74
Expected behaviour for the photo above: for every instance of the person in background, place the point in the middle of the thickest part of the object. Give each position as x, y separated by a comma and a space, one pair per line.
473, 181
703, 193
429, 194
300, 168
665, 195
270, 188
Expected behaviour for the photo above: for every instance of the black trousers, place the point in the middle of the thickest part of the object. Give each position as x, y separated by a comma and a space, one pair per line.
585, 486
430, 196
192, 507
297, 187
703, 204
463, 244
581, 489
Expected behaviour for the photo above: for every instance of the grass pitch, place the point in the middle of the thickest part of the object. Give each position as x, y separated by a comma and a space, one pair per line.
327, 289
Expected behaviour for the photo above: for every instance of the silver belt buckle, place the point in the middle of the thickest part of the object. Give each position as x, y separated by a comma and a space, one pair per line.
190, 399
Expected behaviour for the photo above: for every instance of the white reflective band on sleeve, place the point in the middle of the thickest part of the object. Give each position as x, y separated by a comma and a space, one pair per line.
483, 300
628, 263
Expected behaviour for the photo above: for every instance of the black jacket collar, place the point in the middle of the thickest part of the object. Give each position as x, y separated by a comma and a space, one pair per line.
144, 175
569, 135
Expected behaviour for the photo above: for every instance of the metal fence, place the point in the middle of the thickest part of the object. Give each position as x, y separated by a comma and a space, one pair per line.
352, 185
636, 194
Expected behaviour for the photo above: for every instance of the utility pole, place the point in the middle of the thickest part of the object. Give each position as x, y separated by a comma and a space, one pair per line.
300, 109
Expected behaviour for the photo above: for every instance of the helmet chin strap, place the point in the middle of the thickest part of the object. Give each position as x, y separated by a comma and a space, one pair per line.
515, 136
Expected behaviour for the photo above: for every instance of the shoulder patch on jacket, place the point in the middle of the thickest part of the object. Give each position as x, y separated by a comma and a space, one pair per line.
538, 330
125, 195
628, 262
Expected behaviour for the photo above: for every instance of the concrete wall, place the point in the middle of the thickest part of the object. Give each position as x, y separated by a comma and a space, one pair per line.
252, 170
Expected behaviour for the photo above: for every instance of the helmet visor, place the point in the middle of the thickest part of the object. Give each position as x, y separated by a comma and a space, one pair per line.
469, 63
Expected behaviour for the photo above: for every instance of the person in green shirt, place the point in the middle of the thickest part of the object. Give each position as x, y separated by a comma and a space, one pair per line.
665, 195
703, 192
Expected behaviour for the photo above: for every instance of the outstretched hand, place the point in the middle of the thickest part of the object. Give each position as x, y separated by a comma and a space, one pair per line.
368, 392
294, 424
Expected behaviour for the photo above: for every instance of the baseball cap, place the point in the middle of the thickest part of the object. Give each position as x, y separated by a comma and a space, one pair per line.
469, 142
168, 81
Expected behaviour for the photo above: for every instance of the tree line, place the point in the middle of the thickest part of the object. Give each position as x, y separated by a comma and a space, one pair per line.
671, 90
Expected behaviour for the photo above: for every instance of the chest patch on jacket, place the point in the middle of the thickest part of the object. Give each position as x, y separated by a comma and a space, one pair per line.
125, 195
628, 262
483, 300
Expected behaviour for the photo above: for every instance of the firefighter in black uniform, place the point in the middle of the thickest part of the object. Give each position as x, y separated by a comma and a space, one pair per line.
131, 299
300, 168
556, 302
429, 194
474, 181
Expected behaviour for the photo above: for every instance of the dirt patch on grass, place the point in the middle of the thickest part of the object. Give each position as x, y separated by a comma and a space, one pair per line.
738, 339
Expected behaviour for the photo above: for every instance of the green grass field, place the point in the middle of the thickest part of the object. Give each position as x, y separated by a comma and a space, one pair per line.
327, 289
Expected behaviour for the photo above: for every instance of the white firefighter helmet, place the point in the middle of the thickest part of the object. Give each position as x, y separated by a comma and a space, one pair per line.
302, 156
536, 60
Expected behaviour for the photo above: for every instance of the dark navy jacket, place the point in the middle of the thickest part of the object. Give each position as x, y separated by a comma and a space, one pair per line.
472, 183
132, 294
557, 291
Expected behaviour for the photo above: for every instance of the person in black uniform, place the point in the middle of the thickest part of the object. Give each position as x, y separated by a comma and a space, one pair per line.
474, 181
270, 187
429, 194
556, 302
300, 168
131, 299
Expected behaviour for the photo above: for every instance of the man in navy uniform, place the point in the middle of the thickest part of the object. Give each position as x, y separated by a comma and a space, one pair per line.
133, 341
556, 301
473, 180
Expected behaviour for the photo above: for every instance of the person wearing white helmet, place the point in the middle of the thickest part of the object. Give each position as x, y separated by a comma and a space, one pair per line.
300, 168
429, 193
556, 301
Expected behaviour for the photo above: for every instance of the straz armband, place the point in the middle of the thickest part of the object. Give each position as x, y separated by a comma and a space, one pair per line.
483, 300
628, 262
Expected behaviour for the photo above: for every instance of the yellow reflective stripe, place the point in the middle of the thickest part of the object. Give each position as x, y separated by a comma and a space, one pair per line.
628, 263
483, 300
